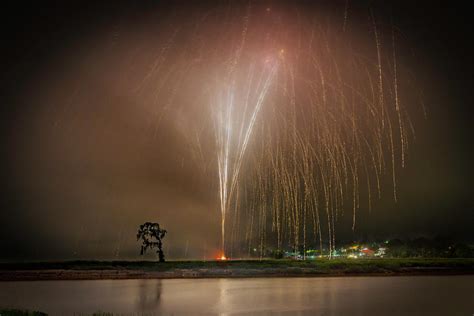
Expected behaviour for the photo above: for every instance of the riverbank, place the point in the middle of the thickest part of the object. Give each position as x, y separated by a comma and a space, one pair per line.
100, 270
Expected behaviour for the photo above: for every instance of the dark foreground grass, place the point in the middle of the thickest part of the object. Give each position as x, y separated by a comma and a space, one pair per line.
319, 265
18, 312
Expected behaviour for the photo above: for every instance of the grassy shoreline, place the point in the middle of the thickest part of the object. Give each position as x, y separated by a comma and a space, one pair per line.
94, 270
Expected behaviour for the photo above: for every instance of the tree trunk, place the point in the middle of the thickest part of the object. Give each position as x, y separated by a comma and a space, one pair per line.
161, 255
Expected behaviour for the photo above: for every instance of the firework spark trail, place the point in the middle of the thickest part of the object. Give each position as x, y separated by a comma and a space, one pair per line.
346, 9
301, 119
397, 101
343, 162
230, 154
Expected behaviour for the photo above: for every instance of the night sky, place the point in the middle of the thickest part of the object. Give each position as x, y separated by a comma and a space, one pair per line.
78, 180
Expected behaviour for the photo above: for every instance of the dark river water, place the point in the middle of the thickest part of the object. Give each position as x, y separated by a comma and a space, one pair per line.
420, 295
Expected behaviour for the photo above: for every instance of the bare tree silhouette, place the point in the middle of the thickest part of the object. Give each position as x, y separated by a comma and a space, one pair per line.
151, 235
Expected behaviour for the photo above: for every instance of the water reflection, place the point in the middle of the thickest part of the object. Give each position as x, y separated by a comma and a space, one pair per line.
429, 295
149, 295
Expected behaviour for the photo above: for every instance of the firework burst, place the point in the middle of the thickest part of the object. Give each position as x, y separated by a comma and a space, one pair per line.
297, 116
